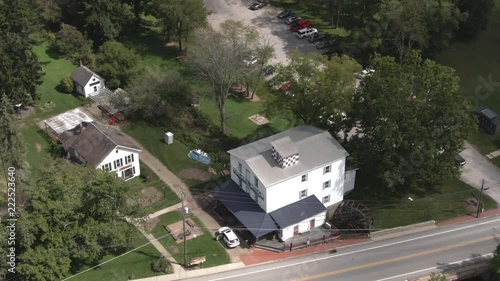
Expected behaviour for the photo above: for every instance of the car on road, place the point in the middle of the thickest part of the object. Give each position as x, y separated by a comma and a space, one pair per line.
460, 159
227, 234
258, 4
268, 70
286, 13
292, 19
316, 38
301, 24
324, 44
306, 32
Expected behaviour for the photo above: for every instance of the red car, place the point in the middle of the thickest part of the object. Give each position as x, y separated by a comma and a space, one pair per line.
301, 24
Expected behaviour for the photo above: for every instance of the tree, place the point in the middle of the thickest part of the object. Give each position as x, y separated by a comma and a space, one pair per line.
73, 219
67, 84
20, 71
413, 122
217, 59
314, 90
159, 96
71, 42
438, 277
495, 262
117, 64
49, 11
180, 17
477, 16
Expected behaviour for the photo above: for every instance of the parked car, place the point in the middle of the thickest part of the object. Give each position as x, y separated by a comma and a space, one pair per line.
301, 24
268, 70
460, 159
324, 44
365, 72
250, 60
286, 13
259, 4
316, 38
227, 234
303, 33
292, 19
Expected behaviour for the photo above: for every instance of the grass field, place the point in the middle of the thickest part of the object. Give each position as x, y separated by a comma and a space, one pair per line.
133, 265
476, 63
203, 245
448, 202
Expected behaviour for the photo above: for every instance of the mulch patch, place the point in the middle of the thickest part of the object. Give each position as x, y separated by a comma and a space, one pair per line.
195, 174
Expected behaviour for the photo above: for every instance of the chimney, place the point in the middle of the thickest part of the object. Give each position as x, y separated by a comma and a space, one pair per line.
81, 62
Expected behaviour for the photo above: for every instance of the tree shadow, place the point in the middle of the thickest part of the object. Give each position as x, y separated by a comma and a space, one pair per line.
53, 53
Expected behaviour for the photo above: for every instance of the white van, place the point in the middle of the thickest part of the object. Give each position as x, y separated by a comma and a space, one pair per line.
306, 32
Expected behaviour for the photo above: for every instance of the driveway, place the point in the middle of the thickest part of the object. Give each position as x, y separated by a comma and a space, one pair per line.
477, 168
264, 20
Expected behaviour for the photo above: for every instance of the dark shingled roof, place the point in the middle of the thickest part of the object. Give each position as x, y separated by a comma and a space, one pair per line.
94, 142
489, 114
245, 209
82, 75
298, 211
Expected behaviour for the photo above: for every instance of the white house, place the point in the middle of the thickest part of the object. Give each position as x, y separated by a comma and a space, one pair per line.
291, 179
87, 83
102, 147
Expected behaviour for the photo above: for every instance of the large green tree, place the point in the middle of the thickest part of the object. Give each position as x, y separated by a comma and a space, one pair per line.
117, 64
179, 17
477, 15
314, 90
73, 219
20, 71
413, 121
73, 44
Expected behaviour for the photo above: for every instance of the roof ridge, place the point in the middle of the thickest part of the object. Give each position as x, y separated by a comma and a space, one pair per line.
95, 126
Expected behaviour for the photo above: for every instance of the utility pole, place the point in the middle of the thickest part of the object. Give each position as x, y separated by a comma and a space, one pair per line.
184, 227
480, 199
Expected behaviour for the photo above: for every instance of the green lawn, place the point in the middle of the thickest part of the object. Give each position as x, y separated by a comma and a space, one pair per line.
448, 202
477, 61
136, 264
203, 245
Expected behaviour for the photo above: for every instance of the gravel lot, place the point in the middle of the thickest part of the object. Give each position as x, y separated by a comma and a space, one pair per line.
269, 26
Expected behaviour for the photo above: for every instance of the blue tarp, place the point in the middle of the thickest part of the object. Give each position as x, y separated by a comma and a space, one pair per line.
200, 156
245, 209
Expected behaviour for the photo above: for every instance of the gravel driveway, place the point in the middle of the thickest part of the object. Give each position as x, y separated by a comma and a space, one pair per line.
269, 26
477, 168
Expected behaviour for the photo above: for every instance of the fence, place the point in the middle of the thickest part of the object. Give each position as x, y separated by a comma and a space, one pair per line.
309, 242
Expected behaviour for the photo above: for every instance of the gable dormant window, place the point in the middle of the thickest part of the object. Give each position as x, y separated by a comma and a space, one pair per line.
327, 184
326, 199
304, 178
303, 194
106, 167
118, 163
129, 158
327, 169
240, 167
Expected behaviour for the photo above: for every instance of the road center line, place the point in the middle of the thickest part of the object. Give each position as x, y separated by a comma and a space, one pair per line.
358, 251
373, 264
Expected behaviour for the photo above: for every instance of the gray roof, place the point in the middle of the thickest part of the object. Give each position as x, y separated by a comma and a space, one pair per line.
82, 75
94, 142
298, 211
285, 147
316, 148
488, 113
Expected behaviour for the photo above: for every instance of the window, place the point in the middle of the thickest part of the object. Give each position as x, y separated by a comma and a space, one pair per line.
129, 158
106, 167
326, 199
303, 194
255, 181
327, 184
240, 168
304, 178
118, 163
327, 169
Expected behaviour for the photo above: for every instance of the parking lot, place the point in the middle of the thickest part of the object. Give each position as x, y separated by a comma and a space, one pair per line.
265, 21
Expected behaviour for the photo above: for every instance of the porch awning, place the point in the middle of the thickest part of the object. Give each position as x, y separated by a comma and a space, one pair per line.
245, 209
298, 211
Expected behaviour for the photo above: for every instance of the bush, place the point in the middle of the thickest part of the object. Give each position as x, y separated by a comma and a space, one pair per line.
191, 139
67, 84
163, 265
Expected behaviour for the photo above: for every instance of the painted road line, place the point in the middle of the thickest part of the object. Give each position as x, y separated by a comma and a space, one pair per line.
354, 268
357, 251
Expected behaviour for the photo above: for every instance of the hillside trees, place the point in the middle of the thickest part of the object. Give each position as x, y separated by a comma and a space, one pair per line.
117, 63
72, 43
413, 121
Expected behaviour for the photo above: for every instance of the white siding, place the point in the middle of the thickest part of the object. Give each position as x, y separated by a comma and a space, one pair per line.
234, 166
88, 90
304, 226
121, 154
287, 192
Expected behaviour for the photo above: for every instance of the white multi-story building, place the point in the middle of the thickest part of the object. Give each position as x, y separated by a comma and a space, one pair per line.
286, 182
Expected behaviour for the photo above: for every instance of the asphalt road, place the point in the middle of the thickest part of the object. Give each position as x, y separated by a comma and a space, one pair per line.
394, 259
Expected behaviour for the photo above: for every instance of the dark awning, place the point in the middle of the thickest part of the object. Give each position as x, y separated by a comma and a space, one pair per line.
298, 211
245, 209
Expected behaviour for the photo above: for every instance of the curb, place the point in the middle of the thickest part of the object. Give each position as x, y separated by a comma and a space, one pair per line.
402, 230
